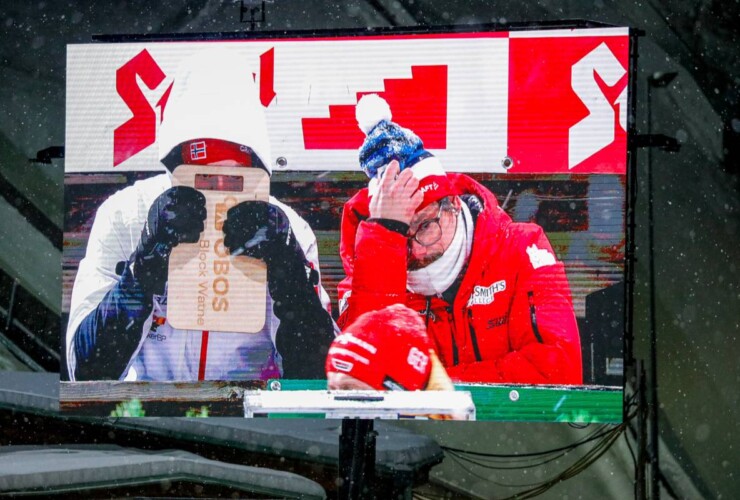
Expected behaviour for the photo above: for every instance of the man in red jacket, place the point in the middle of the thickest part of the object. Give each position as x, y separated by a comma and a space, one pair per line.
494, 298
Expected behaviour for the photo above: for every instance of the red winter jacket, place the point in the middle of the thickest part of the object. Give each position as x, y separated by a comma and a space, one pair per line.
512, 320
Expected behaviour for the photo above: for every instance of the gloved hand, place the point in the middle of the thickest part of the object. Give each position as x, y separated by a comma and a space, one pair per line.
261, 230
257, 229
176, 216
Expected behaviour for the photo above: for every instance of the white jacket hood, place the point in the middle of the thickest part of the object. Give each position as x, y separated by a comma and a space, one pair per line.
214, 96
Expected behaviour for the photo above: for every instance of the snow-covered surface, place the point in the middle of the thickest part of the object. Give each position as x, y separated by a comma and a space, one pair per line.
31, 392
74, 468
308, 439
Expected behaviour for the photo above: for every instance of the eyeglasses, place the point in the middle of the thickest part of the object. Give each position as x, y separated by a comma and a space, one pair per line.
428, 232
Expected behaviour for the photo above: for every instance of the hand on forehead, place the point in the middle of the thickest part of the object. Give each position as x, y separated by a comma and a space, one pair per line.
397, 196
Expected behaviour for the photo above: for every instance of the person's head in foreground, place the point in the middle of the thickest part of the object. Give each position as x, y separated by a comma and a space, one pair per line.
408, 185
385, 350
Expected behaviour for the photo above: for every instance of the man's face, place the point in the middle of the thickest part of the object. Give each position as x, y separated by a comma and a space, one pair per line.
223, 163
343, 382
419, 255
226, 163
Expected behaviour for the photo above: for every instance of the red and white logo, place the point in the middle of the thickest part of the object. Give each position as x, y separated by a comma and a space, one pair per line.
432, 186
484, 295
540, 257
568, 104
417, 359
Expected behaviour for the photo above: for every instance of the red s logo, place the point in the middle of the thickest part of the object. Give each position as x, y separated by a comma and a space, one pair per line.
139, 131
568, 104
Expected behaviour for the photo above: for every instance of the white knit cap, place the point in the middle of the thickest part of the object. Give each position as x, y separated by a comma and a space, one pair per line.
214, 96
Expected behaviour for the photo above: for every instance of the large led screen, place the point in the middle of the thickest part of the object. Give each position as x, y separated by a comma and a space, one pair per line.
394, 225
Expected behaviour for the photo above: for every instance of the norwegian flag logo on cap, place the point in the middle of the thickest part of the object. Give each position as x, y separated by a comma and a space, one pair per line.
198, 150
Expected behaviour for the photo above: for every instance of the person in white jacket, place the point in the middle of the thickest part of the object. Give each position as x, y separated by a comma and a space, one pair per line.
118, 327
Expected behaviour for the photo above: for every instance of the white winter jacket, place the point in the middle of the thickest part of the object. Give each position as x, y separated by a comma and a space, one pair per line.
166, 353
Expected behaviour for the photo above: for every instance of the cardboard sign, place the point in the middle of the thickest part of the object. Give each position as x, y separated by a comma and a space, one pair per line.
208, 289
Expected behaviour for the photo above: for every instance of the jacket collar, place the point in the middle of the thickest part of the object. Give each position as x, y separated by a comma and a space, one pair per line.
490, 229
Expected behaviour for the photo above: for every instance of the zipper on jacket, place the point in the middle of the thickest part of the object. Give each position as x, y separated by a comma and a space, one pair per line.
473, 337
533, 316
428, 313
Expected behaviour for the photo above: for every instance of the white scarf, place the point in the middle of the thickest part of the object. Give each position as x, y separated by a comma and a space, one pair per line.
440, 274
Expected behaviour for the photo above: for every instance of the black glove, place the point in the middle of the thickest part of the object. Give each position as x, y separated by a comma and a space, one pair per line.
257, 229
261, 230
176, 216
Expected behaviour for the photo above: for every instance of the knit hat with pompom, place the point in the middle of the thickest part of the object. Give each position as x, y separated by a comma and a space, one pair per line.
386, 141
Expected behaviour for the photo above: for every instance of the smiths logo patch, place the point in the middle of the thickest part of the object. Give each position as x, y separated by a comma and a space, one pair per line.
483, 295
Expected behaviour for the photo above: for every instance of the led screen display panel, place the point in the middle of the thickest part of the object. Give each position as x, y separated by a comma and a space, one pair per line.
426, 225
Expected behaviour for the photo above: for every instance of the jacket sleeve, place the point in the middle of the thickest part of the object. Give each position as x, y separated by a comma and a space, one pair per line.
374, 260
543, 333
108, 312
305, 329
106, 338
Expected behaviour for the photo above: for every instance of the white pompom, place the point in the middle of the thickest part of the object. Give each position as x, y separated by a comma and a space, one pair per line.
371, 110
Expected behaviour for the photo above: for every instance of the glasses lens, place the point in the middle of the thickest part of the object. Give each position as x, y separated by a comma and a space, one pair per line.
429, 233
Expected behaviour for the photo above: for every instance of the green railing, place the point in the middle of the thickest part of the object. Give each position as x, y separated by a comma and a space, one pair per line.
584, 404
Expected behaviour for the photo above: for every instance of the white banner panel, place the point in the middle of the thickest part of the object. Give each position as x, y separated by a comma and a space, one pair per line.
308, 87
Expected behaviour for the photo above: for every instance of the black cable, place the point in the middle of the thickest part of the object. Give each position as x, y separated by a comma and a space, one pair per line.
493, 461
634, 459
582, 463
533, 454
609, 436
629, 446
661, 478
529, 457
487, 479
578, 466
515, 467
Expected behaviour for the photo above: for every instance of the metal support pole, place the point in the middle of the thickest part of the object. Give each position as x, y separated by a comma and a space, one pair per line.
356, 459
642, 445
657, 79
653, 405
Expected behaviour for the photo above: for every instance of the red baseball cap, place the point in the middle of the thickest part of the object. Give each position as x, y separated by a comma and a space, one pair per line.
386, 349
205, 151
